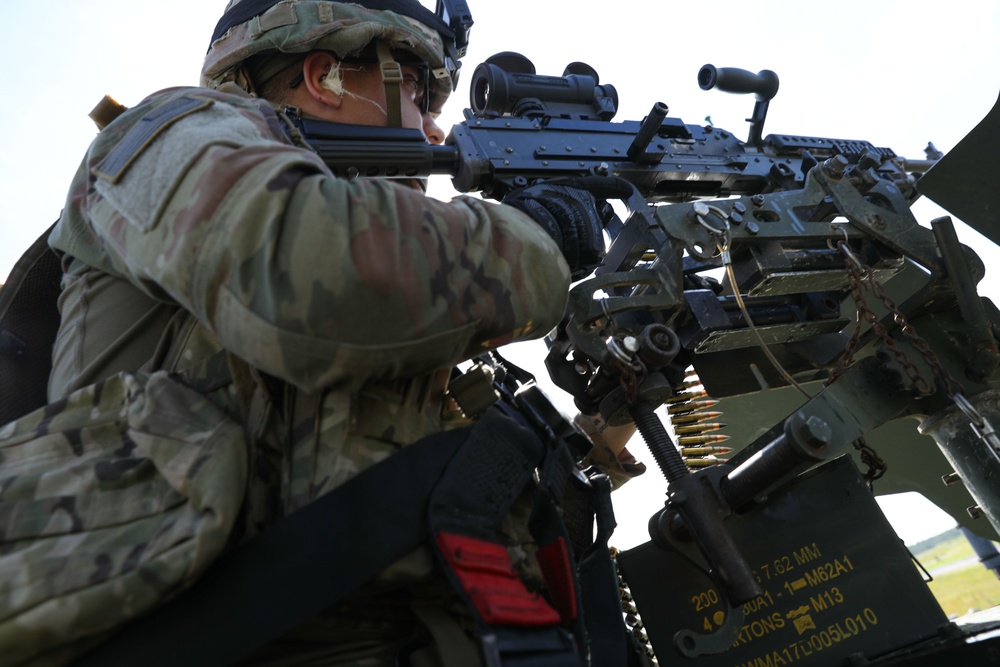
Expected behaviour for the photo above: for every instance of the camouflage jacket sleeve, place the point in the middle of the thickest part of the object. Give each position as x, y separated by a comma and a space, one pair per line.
199, 198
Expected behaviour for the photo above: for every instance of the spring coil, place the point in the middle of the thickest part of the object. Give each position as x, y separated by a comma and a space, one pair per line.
694, 423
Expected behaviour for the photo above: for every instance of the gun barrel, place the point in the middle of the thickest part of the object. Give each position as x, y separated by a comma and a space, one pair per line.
391, 159
918, 166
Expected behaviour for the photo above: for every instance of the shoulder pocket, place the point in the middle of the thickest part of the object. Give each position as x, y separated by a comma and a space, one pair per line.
117, 162
112, 501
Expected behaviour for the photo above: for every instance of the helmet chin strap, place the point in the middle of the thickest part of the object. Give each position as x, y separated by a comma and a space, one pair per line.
392, 78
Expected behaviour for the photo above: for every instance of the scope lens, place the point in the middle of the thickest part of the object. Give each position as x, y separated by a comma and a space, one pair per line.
480, 94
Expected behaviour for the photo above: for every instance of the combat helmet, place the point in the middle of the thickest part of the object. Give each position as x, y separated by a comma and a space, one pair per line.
289, 29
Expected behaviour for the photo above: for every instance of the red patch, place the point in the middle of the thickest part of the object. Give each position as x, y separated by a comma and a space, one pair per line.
488, 578
556, 566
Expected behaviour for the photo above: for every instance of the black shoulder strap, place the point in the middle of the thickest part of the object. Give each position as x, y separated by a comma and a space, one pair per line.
29, 321
311, 559
318, 555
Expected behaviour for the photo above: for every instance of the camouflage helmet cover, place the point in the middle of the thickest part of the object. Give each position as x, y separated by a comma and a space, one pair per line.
345, 28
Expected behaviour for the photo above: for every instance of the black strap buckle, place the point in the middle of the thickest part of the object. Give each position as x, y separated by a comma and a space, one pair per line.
551, 647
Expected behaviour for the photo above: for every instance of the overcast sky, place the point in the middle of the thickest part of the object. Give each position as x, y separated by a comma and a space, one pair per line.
897, 73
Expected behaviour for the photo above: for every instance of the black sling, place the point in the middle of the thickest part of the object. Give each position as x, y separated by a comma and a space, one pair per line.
311, 559
29, 322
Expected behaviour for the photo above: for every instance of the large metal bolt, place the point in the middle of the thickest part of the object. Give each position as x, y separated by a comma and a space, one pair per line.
836, 166
868, 161
876, 222
815, 432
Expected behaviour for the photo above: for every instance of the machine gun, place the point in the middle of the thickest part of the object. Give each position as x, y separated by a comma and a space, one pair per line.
746, 263
522, 127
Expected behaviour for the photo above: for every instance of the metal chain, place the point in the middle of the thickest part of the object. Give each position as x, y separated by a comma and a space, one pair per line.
862, 278
630, 378
951, 387
876, 466
631, 613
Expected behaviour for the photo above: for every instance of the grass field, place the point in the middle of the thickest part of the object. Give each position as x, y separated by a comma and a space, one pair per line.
954, 550
969, 589
959, 591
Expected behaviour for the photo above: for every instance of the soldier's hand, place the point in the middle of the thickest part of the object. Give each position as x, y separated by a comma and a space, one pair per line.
571, 215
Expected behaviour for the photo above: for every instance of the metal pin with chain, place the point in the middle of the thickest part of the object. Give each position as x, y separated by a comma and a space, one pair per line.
980, 426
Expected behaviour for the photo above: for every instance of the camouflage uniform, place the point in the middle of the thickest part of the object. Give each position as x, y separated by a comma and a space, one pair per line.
218, 233
111, 501
248, 332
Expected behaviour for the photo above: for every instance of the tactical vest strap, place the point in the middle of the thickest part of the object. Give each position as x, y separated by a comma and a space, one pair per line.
610, 642
517, 628
455, 486
29, 322
233, 610
509, 647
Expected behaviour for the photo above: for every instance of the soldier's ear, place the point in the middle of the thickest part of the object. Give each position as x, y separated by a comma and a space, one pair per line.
322, 78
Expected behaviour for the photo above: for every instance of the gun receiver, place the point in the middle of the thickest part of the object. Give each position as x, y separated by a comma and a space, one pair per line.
523, 127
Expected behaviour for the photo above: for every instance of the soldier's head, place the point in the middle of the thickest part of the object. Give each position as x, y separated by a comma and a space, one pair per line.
368, 62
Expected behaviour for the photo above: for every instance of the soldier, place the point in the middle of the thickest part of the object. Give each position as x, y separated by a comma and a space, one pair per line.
204, 239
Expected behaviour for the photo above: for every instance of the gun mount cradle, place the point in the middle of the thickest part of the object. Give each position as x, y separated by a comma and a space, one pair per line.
809, 236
